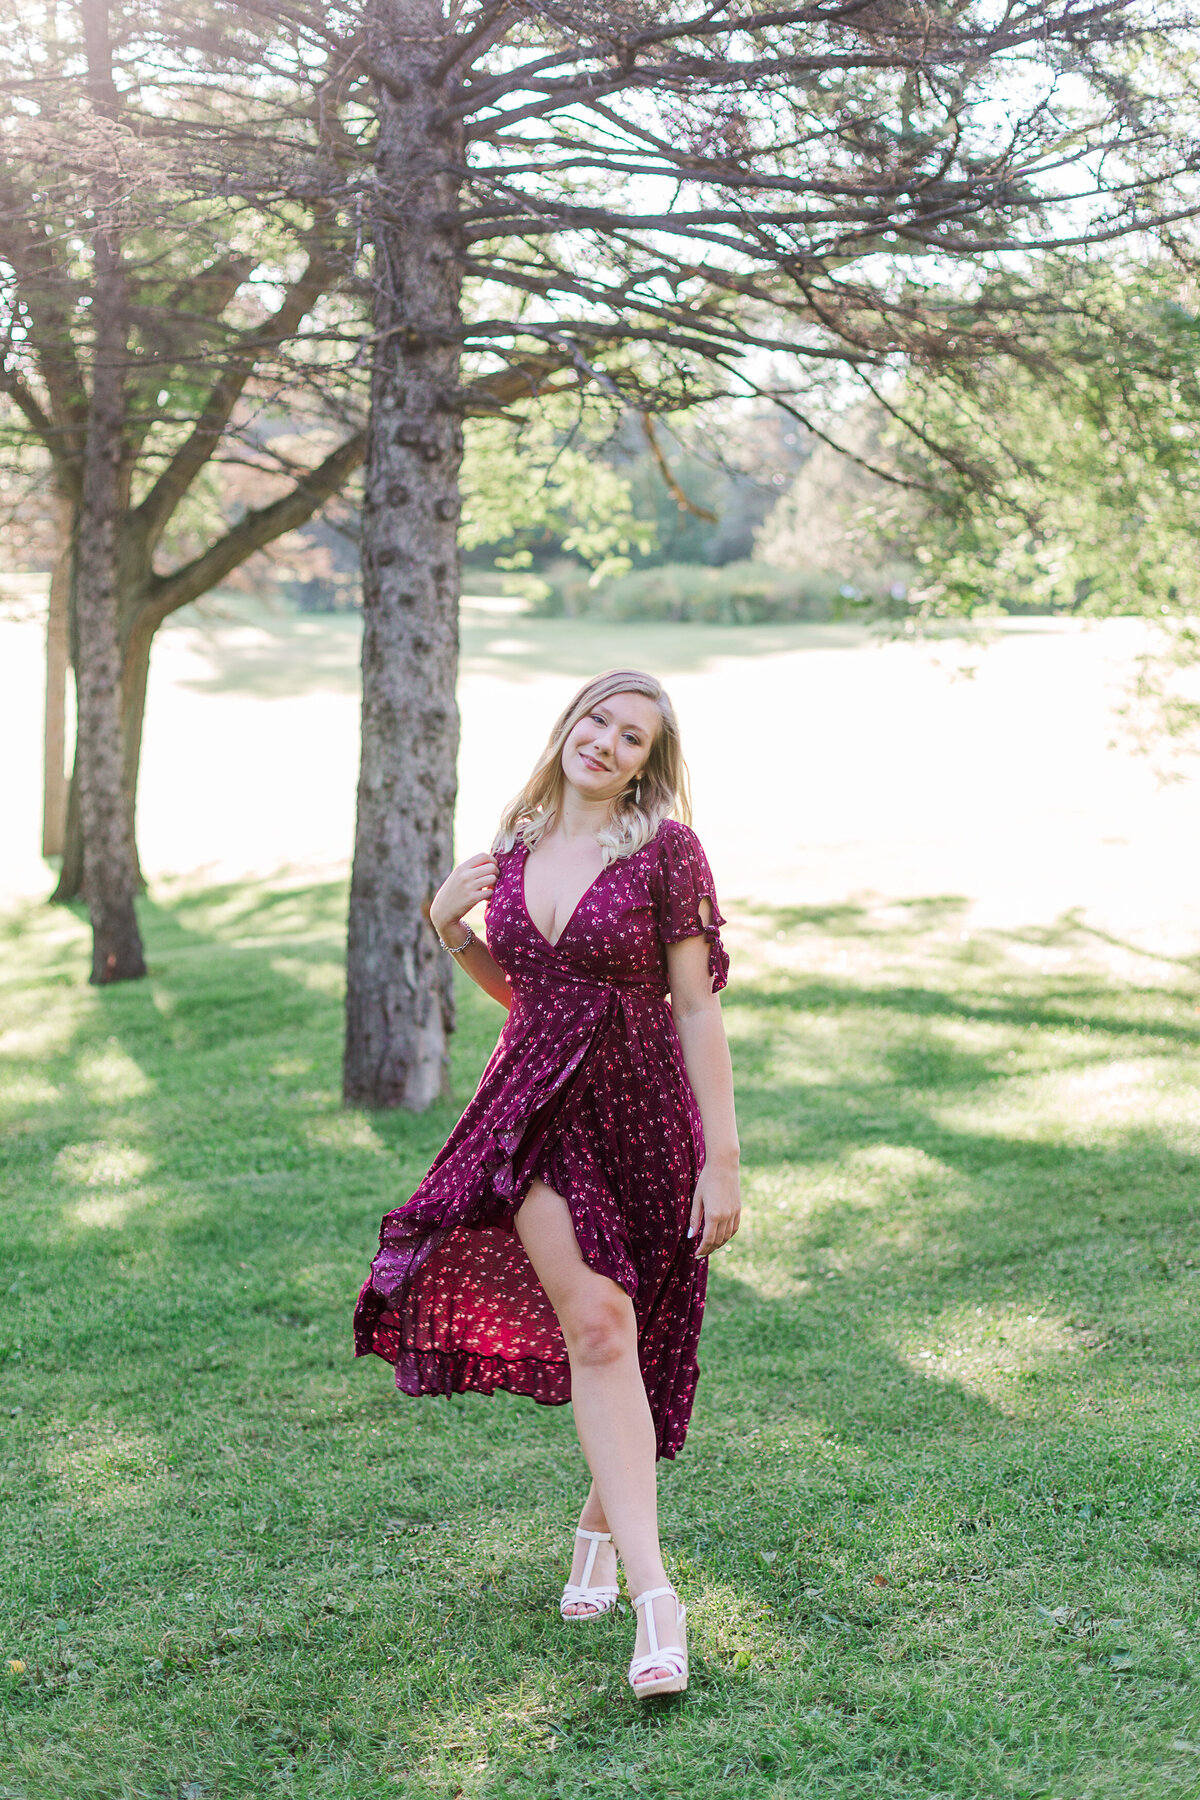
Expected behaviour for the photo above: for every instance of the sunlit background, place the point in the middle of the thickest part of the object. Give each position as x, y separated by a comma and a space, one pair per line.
827, 761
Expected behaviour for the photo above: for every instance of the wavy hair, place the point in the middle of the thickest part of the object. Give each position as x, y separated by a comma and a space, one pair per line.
663, 781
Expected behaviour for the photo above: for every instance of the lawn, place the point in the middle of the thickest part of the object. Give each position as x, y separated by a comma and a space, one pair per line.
938, 1519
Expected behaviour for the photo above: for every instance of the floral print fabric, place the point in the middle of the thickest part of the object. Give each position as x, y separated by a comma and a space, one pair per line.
587, 1090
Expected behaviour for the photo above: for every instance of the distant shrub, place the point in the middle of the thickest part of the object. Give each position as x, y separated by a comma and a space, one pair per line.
339, 591
740, 593
485, 583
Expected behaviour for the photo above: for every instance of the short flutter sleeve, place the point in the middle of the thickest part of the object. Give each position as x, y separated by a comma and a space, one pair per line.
683, 880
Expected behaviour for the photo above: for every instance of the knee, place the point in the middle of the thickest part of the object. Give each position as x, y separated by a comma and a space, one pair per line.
601, 1331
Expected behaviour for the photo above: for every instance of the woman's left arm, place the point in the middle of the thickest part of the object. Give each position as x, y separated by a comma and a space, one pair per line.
717, 1205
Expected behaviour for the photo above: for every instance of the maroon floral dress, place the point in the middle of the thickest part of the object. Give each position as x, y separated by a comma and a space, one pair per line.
587, 1090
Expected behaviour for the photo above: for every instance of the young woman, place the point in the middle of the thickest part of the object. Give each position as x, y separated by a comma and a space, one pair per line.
557, 1247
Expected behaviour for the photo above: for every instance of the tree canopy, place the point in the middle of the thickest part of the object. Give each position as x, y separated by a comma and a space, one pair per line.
550, 210
662, 206
175, 267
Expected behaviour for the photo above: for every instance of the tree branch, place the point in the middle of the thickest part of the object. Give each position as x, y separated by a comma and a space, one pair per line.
490, 26
165, 594
202, 298
664, 468
154, 513
26, 401
40, 285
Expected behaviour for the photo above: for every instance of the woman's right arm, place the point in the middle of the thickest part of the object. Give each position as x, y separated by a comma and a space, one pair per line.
463, 889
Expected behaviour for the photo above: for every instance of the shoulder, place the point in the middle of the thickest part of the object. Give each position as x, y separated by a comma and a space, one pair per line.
678, 846
666, 848
679, 867
673, 836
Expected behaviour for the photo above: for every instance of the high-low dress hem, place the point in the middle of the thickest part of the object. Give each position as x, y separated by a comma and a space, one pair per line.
587, 1091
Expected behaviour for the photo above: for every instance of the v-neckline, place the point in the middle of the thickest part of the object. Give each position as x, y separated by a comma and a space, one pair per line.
553, 943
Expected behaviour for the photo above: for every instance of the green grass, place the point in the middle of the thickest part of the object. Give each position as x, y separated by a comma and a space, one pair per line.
938, 1519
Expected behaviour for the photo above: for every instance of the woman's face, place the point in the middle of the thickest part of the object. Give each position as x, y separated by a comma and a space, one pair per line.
608, 748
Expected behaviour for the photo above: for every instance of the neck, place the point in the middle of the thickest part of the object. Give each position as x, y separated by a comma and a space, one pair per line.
579, 816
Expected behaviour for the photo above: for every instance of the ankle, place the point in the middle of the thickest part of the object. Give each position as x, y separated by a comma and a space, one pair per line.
592, 1517
643, 1580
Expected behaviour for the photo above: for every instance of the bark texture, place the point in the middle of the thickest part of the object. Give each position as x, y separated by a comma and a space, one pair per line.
109, 876
399, 1000
58, 664
145, 599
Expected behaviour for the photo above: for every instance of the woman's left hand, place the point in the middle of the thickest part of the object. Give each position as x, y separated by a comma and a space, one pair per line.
716, 1209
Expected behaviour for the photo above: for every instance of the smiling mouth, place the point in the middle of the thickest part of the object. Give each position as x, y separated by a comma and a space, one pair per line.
592, 763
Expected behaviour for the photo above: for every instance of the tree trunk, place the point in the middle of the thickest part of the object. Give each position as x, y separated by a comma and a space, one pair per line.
135, 677
58, 664
136, 638
109, 876
399, 1000
70, 874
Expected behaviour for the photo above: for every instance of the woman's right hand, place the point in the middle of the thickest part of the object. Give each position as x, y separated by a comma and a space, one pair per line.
463, 889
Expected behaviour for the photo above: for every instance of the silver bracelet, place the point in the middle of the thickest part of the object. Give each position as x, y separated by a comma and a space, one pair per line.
456, 949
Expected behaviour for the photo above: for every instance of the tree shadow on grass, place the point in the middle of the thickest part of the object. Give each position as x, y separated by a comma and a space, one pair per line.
233, 1049
278, 657
1073, 929
860, 916
290, 656
838, 1437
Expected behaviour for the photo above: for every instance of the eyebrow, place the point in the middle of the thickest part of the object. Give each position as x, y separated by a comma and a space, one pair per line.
627, 726
601, 706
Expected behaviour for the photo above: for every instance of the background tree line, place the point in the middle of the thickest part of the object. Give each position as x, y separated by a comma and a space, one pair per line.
281, 241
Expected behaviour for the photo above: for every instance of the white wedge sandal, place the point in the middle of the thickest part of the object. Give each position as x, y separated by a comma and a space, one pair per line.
578, 1593
666, 1656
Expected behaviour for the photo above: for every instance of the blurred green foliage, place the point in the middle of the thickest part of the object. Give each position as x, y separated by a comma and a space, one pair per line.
1064, 475
542, 482
740, 593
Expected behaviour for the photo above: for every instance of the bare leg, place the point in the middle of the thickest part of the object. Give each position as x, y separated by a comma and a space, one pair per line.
612, 1415
604, 1569
592, 1517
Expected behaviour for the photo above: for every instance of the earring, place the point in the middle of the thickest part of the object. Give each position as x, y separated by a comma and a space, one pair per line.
637, 795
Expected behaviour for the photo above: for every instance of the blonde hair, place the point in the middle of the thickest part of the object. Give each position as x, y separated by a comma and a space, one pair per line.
661, 788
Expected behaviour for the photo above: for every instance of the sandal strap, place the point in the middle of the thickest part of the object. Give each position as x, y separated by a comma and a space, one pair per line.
575, 1592
597, 1606
597, 1538
655, 1594
647, 1600
670, 1657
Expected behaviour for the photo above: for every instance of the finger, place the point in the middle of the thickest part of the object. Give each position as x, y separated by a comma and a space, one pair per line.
696, 1217
721, 1233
